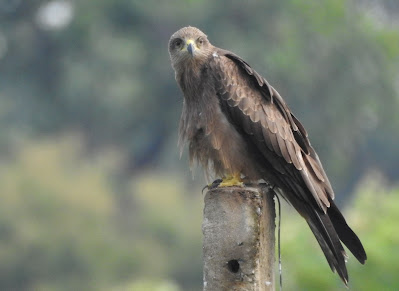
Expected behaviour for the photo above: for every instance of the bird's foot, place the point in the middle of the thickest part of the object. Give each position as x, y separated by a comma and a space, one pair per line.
232, 180
228, 181
212, 185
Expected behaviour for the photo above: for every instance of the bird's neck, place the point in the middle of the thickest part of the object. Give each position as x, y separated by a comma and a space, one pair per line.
191, 81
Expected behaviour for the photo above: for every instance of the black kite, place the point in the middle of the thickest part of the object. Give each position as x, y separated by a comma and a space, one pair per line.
237, 125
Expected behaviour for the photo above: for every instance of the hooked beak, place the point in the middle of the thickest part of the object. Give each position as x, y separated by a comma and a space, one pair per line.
191, 47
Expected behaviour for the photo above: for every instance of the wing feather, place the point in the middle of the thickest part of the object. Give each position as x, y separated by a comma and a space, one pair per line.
275, 144
232, 102
267, 138
283, 148
293, 154
281, 132
270, 116
315, 168
255, 115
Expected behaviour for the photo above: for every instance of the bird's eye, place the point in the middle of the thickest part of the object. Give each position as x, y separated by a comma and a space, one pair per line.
200, 41
178, 42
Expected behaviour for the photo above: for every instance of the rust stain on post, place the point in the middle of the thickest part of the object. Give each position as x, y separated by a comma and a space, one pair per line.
238, 246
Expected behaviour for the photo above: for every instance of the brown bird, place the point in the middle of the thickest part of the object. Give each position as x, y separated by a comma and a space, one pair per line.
238, 126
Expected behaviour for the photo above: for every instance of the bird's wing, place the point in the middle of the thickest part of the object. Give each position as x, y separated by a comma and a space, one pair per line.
259, 112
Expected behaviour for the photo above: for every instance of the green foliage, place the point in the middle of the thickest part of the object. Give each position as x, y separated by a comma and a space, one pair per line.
375, 214
63, 226
148, 285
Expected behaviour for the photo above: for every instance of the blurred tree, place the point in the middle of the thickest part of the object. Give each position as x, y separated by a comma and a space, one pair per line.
60, 225
103, 69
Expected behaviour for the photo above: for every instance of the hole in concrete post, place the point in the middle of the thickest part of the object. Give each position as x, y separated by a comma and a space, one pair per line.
233, 266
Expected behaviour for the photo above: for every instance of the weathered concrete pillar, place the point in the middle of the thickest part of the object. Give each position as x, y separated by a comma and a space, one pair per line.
238, 247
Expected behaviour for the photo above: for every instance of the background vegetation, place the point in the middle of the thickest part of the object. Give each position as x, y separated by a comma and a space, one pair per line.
93, 194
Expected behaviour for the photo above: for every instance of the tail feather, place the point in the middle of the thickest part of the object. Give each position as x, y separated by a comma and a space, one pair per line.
329, 228
346, 234
328, 239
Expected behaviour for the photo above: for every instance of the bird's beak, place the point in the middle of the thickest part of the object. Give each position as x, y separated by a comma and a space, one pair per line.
191, 47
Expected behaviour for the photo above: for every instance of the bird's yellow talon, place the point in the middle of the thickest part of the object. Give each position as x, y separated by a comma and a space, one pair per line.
232, 180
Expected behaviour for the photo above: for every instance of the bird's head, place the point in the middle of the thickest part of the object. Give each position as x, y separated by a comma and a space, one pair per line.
188, 46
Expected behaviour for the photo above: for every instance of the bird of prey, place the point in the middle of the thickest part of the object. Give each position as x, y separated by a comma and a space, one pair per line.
238, 126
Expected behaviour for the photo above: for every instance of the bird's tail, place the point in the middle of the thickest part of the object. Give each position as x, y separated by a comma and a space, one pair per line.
330, 229
346, 234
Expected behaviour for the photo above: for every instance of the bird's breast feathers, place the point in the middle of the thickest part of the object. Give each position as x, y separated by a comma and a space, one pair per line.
213, 140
